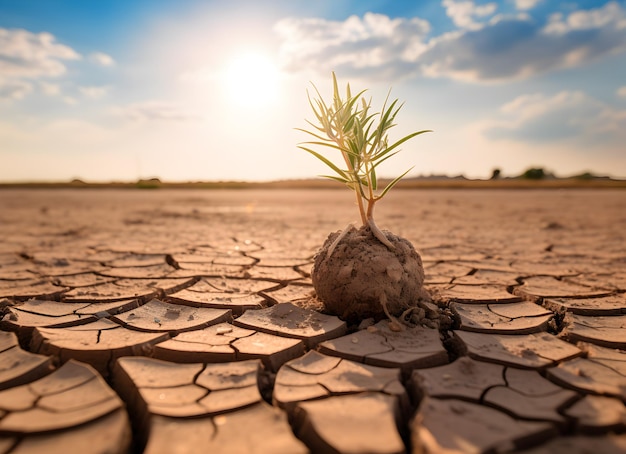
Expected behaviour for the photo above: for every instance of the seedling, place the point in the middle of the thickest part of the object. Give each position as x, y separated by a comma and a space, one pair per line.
347, 126
365, 272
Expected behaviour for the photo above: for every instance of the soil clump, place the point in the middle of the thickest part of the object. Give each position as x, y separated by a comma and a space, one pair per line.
356, 277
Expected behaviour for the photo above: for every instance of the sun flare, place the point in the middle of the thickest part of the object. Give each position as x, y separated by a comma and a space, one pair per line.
252, 79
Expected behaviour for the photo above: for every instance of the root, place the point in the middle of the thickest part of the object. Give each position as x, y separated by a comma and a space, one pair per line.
379, 234
394, 323
345, 231
405, 314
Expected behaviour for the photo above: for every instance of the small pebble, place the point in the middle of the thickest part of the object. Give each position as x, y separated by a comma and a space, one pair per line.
224, 330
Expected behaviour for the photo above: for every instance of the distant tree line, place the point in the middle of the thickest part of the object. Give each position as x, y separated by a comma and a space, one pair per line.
539, 173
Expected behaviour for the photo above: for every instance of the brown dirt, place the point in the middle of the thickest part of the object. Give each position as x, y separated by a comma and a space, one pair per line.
497, 264
361, 274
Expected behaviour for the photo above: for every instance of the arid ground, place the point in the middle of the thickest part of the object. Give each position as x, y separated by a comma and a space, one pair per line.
169, 320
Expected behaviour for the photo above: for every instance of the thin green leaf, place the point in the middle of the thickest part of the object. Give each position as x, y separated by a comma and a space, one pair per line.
392, 184
326, 161
314, 135
380, 161
400, 142
336, 96
353, 149
350, 102
374, 179
324, 144
332, 177
349, 124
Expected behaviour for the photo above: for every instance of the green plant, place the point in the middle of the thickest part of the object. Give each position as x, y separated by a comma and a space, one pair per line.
347, 126
534, 174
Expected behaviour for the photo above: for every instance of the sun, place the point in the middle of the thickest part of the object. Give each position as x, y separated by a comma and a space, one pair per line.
252, 80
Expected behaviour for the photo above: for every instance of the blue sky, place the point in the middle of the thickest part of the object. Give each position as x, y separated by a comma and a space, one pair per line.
212, 90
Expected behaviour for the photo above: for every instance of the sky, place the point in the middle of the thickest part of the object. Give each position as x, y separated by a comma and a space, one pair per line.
192, 90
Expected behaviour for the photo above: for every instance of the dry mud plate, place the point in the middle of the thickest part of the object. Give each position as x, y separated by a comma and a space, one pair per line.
185, 321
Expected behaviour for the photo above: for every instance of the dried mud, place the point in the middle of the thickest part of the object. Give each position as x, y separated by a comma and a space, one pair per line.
186, 320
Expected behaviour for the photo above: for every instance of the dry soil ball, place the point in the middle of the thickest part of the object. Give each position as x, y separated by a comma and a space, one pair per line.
361, 272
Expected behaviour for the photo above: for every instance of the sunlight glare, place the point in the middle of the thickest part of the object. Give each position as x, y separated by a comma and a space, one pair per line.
252, 80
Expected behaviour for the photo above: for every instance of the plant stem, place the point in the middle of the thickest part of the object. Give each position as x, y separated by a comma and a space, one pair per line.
374, 228
371, 199
359, 199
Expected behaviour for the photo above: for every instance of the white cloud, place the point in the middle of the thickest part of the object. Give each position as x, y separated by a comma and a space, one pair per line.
14, 89
464, 13
154, 110
506, 47
25, 56
524, 5
621, 92
517, 47
70, 101
102, 59
29, 55
611, 15
568, 116
49, 89
94, 92
374, 45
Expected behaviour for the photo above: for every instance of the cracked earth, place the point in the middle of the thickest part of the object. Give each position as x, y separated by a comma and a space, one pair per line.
185, 321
